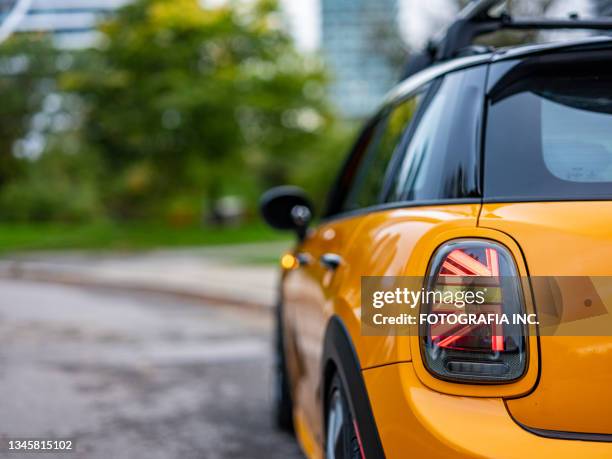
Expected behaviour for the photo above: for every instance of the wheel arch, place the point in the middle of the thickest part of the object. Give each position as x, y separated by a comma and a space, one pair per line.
339, 356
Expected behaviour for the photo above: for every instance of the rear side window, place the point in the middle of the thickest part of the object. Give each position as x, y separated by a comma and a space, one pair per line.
549, 131
439, 161
369, 176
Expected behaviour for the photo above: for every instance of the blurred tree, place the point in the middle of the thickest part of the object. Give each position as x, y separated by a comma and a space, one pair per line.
28, 67
187, 104
59, 186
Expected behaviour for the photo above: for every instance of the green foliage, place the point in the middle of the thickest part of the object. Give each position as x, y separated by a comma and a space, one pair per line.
28, 65
127, 236
60, 186
186, 105
178, 107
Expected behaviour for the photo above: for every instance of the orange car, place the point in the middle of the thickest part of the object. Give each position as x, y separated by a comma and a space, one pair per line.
495, 163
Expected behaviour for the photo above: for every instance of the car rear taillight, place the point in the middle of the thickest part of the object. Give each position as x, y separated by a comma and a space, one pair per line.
467, 339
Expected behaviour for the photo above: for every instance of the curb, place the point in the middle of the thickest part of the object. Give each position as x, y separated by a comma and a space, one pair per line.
15, 270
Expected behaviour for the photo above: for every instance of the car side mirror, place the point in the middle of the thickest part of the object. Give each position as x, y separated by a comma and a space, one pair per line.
287, 208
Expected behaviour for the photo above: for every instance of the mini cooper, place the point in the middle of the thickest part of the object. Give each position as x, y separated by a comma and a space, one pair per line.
481, 162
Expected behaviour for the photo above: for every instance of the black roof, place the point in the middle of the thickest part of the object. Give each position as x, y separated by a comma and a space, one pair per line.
439, 68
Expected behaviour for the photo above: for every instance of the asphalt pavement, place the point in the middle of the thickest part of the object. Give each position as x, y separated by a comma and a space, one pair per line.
133, 375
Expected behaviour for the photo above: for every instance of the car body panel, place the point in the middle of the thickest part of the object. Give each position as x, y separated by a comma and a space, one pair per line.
378, 243
390, 243
307, 291
414, 421
396, 242
310, 447
564, 239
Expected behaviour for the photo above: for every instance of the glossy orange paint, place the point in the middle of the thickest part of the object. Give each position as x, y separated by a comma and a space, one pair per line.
414, 411
388, 243
307, 294
414, 421
564, 239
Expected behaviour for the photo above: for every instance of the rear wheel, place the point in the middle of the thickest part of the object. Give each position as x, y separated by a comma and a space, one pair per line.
340, 439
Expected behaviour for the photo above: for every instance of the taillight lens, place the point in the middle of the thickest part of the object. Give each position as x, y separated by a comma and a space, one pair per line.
474, 351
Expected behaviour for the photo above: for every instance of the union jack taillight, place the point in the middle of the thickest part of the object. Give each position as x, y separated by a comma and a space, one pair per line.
484, 277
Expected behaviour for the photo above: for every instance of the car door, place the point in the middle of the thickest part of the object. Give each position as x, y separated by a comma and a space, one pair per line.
309, 290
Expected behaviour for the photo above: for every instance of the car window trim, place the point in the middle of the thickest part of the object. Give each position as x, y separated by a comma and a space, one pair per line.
336, 201
398, 205
379, 128
527, 199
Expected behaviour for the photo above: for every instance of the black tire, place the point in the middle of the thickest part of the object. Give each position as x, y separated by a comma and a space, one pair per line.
340, 437
283, 404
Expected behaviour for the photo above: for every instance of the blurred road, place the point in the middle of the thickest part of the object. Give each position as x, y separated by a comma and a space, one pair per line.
205, 273
134, 375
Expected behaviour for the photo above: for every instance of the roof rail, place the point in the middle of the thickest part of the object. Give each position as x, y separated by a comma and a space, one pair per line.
475, 20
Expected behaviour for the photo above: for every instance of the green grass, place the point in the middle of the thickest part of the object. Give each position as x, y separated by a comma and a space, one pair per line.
110, 236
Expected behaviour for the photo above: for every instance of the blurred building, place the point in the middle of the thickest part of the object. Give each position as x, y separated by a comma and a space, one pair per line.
72, 22
355, 44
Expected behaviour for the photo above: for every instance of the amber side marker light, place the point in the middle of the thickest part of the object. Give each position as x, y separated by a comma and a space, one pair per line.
483, 274
288, 261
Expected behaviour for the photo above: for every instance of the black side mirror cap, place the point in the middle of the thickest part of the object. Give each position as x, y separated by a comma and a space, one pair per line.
287, 208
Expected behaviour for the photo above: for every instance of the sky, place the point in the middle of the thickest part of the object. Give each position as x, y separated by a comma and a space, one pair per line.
303, 17
417, 18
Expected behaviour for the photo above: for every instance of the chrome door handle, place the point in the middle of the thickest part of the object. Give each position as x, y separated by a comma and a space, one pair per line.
330, 260
303, 258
